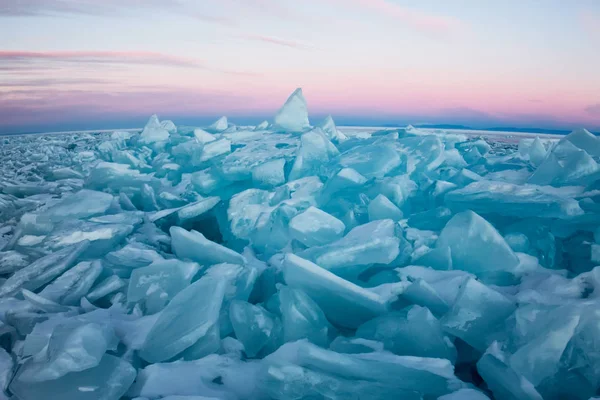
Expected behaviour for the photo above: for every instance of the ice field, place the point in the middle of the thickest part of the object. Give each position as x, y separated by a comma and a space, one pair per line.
297, 261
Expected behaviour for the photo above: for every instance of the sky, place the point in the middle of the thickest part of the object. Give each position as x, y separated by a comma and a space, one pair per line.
103, 64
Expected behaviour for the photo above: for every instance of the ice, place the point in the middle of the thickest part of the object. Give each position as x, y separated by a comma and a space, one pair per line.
332, 293
566, 165
43, 270
413, 331
287, 261
302, 318
69, 288
293, 116
202, 136
477, 314
270, 173
179, 325
154, 131
430, 376
328, 126
109, 380
110, 285
314, 153
159, 282
585, 140
315, 227
219, 125
255, 327
477, 247
516, 200
83, 204
504, 382
195, 246
382, 208
73, 347
214, 149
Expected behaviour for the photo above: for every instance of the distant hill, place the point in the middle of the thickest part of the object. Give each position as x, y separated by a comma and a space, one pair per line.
498, 129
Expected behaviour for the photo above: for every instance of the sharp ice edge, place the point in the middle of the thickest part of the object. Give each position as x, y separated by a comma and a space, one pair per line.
285, 261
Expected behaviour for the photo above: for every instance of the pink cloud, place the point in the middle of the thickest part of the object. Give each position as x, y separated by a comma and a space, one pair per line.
102, 7
417, 19
117, 57
277, 41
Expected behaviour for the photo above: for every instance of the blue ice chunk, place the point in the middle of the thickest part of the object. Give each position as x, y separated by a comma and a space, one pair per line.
83, 204
43, 270
503, 381
109, 285
433, 219
375, 160
285, 382
69, 288
102, 237
328, 126
293, 116
240, 282
179, 326
109, 380
154, 131
509, 199
428, 376
343, 344
539, 359
346, 179
315, 227
566, 165
477, 247
159, 282
214, 149
464, 394
478, 314
269, 174
332, 293
255, 327
382, 208
439, 258
374, 242
219, 125
221, 376
116, 176
519, 242
314, 153
73, 347
12, 261
585, 140
412, 331
194, 246
422, 293
302, 318
133, 255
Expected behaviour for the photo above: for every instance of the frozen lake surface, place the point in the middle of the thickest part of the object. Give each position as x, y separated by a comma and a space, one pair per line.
292, 260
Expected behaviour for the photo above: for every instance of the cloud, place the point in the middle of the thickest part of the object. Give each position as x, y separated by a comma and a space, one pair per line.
277, 41
111, 57
25, 8
593, 109
425, 22
41, 108
45, 82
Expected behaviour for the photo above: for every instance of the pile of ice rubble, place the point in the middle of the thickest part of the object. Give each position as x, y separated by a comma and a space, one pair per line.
286, 261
